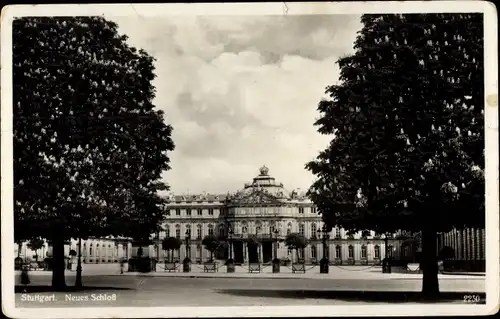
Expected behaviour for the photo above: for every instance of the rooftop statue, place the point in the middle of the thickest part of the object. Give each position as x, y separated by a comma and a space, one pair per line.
264, 171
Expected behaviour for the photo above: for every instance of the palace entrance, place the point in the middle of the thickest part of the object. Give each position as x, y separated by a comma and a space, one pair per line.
238, 252
253, 253
267, 251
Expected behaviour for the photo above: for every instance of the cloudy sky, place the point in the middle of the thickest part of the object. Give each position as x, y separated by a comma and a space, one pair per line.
241, 92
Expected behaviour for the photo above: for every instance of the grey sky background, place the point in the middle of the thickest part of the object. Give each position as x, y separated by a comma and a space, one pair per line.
241, 92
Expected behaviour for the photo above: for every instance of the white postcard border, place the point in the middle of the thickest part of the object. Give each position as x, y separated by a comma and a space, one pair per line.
281, 8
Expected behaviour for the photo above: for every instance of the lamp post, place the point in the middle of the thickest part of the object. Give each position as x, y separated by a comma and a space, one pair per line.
78, 282
186, 263
230, 261
188, 233
276, 261
231, 233
324, 263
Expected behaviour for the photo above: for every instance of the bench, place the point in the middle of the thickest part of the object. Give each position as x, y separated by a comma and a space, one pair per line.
171, 267
254, 267
299, 268
34, 266
413, 267
210, 267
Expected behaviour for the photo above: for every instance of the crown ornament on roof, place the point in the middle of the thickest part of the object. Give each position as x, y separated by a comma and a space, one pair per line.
264, 171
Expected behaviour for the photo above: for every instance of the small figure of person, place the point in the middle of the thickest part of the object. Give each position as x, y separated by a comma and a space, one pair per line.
122, 265
25, 279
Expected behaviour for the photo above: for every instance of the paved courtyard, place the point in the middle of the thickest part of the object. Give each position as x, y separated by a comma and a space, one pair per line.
341, 286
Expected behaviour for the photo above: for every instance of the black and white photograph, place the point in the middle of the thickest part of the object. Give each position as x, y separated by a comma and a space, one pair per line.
250, 159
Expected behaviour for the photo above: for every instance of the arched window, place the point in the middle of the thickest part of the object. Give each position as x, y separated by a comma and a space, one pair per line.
221, 230
199, 233
338, 252
301, 229
257, 230
363, 252
377, 251
351, 251
198, 251
313, 230
178, 231
313, 251
188, 231
90, 250
244, 229
211, 230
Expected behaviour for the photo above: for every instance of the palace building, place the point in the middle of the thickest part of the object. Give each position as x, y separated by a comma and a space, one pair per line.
265, 209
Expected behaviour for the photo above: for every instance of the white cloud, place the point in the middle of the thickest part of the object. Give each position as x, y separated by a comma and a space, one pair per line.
242, 92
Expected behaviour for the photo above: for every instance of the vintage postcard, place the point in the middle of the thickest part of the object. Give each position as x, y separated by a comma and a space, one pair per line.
250, 159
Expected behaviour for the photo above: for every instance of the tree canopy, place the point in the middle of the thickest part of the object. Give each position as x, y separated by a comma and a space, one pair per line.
296, 241
407, 127
171, 243
89, 144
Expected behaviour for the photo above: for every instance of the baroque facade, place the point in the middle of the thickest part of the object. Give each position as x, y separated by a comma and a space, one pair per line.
262, 208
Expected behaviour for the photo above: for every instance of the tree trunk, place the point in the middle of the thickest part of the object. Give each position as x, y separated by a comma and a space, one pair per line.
430, 283
58, 264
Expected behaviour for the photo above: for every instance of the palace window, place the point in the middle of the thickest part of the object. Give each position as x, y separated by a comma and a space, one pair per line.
377, 252
313, 251
313, 210
90, 251
338, 252
198, 232
178, 231
351, 251
178, 211
200, 211
363, 252
167, 231
313, 230
301, 229
389, 251
210, 211
257, 230
211, 230
188, 211
198, 251
301, 210
188, 231
221, 231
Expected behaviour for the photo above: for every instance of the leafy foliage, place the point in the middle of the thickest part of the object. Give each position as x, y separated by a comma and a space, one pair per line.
296, 241
407, 126
36, 244
407, 121
89, 146
171, 243
211, 243
252, 240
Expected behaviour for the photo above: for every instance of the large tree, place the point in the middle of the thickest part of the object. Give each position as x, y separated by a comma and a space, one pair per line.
407, 150
89, 145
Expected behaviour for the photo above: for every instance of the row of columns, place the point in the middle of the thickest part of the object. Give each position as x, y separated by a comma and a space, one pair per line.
469, 244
